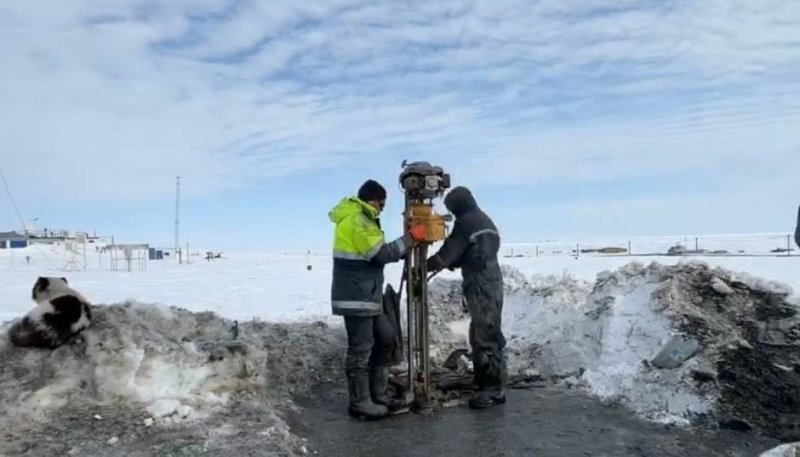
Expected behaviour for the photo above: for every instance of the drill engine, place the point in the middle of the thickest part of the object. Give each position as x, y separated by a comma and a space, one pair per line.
421, 180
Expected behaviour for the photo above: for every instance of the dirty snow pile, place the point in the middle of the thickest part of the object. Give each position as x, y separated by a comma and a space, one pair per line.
677, 344
784, 450
164, 367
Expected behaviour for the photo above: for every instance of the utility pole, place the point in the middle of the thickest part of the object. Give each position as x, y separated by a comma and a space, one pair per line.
177, 215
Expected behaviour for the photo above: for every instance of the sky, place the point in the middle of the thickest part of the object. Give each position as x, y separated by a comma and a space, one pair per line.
567, 118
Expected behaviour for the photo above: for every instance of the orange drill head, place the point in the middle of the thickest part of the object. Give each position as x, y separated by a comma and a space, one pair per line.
423, 213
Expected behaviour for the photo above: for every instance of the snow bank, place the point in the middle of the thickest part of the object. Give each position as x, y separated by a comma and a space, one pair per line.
785, 450
169, 366
605, 337
133, 354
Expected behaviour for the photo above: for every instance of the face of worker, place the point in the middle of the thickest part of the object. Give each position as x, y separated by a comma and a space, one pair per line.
377, 204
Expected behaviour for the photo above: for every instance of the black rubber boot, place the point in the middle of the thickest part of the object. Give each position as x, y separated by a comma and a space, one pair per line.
361, 405
379, 385
487, 398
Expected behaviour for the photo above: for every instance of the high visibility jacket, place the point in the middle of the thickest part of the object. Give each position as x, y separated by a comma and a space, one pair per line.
359, 256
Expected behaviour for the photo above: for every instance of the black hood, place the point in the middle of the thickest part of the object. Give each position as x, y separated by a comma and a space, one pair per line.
460, 201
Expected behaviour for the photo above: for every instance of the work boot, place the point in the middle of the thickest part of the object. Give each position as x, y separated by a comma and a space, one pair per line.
379, 385
361, 406
487, 398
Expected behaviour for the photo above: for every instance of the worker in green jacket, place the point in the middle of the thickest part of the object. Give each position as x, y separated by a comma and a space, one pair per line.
359, 256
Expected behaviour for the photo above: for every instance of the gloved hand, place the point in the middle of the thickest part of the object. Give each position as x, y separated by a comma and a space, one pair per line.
434, 264
418, 232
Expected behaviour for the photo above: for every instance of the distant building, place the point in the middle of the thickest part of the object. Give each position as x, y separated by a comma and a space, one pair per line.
12, 240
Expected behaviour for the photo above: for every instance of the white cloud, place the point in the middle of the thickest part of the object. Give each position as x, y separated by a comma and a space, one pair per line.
112, 100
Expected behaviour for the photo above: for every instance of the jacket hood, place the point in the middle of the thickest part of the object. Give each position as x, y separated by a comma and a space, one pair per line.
350, 206
459, 201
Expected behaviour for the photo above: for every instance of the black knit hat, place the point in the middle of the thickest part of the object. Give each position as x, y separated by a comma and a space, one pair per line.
371, 190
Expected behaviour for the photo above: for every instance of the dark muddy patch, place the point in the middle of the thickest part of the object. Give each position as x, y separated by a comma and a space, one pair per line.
547, 422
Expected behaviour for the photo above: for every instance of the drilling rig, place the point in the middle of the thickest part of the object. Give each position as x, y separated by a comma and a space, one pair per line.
422, 183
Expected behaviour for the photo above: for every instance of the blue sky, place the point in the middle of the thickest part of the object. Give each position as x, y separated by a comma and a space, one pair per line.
591, 118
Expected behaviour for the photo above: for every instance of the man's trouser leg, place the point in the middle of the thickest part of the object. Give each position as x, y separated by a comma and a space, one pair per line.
385, 340
485, 302
360, 342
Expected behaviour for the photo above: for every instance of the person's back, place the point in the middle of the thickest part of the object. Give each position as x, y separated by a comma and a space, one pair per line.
797, 229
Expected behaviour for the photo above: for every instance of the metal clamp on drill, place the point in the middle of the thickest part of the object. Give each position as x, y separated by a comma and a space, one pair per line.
421, 183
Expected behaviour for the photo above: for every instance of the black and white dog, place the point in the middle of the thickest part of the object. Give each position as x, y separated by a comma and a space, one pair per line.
60, 314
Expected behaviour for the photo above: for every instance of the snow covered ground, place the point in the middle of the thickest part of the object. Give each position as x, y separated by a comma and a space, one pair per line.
150, 380
270, 286
606, 336
592, 316
277, 286
548, 300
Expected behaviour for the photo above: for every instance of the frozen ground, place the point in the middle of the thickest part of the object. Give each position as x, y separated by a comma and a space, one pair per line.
559, 319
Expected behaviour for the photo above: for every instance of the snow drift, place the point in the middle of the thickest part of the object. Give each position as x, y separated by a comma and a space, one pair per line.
604, 337
165, 367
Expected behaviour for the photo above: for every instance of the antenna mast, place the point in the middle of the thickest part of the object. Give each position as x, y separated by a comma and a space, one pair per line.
177, 214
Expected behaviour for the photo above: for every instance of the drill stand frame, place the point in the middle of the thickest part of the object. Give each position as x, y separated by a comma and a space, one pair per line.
418, 395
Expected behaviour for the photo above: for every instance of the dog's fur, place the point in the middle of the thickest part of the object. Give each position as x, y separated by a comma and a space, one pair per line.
60, 314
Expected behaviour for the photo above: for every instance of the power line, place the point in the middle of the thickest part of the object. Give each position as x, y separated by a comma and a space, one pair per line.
11, 197
22, 222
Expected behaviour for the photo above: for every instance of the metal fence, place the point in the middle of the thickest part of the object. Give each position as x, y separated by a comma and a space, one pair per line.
719, 245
